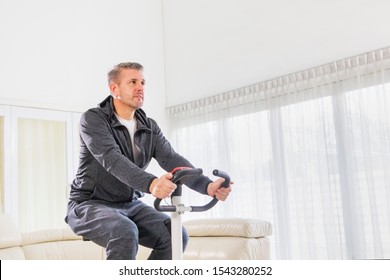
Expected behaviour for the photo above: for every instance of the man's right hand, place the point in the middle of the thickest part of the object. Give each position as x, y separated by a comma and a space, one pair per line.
162, 187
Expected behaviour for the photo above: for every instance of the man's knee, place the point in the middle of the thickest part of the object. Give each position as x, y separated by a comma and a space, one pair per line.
124, 229
185, 236
123, 242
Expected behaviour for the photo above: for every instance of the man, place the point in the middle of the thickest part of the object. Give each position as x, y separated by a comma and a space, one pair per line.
118, 142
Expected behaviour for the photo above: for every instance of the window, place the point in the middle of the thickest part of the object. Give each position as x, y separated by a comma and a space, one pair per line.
309, 152
38, 150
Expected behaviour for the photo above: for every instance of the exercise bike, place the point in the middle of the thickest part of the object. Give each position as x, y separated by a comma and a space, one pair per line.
177, 208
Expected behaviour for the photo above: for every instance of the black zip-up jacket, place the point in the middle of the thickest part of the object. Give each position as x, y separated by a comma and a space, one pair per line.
107, 170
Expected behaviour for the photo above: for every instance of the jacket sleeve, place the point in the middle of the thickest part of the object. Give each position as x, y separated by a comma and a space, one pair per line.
169, 159
97, 135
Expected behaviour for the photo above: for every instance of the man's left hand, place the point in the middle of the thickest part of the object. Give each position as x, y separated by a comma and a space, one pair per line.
214, 189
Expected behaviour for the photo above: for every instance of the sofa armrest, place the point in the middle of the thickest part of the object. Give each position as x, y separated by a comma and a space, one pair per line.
235, 227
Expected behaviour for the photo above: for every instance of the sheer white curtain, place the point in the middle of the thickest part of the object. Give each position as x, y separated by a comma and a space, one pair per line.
309, 152
42, 174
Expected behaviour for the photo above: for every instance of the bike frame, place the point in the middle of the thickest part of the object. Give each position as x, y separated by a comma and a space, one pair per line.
177, 209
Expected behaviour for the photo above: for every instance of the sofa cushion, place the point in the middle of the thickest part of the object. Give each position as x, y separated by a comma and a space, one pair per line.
48, 235
64, 250
238, 227
9, 233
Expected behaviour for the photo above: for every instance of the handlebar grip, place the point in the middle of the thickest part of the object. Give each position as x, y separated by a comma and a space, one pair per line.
185, 172
224, 175
163, 208
212, 203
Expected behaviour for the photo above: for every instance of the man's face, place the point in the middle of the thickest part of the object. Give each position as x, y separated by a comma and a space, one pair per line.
129, 88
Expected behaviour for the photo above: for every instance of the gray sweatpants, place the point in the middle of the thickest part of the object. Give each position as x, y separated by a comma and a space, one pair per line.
120, 227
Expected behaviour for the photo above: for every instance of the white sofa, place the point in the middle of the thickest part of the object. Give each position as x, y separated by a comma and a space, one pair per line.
234, 239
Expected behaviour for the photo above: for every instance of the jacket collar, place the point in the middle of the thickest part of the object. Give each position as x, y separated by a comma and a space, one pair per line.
107, 107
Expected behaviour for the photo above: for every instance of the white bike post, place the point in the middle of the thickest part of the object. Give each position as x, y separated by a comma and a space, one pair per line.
176, 223
176, 229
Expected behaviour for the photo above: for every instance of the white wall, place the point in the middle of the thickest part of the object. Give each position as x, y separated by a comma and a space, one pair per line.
220, 45
55, 54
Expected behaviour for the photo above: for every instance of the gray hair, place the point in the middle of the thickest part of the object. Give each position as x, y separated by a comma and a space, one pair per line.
113, 75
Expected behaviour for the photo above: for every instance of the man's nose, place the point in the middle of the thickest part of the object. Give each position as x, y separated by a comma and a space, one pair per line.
140, 86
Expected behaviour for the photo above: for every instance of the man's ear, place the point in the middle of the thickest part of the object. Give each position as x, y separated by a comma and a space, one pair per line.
113, 88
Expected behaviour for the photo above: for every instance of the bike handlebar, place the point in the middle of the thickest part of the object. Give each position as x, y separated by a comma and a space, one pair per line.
189, 172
